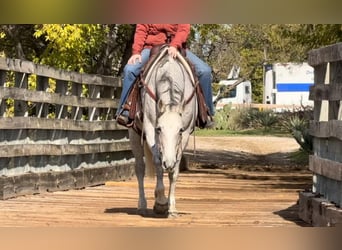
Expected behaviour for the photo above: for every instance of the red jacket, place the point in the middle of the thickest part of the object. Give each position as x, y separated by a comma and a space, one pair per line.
148, 35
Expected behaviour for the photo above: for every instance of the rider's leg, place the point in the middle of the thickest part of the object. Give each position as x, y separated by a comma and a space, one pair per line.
131, 71
203, 71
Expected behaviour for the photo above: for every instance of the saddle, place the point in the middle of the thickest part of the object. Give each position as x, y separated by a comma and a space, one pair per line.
134, 105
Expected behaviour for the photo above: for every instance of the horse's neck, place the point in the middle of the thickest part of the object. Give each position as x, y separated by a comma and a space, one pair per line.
171, 82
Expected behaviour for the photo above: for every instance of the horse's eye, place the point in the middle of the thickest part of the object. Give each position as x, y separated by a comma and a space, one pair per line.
158, 130
181, 130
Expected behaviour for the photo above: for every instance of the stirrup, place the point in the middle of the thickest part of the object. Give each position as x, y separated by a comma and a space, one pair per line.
124, 120
210, 123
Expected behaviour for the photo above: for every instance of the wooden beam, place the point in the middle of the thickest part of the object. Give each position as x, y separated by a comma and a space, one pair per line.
54, 98
57, 124
331, 92
332, 128
34, 183
28, 67
325, 167
331, 53
18, 150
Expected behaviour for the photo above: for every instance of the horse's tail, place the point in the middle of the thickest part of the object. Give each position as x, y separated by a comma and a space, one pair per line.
150, 168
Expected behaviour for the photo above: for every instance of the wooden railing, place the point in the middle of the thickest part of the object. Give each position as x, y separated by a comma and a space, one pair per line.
57, 129
326, 129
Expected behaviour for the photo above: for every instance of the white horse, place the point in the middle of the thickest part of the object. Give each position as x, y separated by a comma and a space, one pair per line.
169, 106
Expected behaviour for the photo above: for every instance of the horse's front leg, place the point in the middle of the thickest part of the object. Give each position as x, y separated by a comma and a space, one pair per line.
140, 173
139, 170
161, 203
173, 176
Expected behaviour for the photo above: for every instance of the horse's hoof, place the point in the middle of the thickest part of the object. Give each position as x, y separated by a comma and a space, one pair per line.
160, 209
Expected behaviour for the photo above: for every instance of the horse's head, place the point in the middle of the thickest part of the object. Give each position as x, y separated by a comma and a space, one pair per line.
169, 132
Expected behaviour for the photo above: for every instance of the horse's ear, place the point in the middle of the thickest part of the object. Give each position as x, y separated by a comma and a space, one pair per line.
161, 106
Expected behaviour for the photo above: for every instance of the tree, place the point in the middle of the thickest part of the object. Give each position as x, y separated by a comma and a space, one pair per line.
105, 48
91, 48
17, 41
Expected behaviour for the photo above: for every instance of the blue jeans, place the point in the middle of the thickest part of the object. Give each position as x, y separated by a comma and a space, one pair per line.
203, 72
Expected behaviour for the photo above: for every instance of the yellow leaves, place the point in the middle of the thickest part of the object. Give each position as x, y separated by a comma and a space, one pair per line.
69, 44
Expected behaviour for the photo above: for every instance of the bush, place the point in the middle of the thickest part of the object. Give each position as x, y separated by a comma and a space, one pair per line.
297, 123
266, 119
231, 118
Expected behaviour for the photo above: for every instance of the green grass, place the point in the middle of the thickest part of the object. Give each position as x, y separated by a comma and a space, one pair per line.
249, 132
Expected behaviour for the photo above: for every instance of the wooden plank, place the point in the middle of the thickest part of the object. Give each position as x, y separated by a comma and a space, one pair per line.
20, 106
229, 203
23, 66
18, 185
61, 88
336, 72
96, 176
93, 112
76, 111
326, 167
332, 128
2, 77
42, 85
57, 124
320, 92
328, 188
2, 83
35, 183
54, 98
331, 53
55, 181
319, 79
53, 149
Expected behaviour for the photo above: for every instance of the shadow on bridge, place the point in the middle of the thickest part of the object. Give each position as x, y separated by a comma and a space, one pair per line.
133, 211
291, 214
278, 167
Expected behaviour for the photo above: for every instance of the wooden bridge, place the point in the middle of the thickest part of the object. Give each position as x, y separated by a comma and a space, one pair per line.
57, 133
210, 194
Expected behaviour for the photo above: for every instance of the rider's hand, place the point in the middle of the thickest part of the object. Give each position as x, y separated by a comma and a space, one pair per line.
134, 58
172, 51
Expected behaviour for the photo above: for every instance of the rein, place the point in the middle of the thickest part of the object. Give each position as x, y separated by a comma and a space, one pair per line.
187, 68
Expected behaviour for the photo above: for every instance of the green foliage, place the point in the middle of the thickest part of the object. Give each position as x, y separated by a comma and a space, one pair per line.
297, 123
311, 36
265, 119
235, 118
240, 118
105, 48
68, 44
229, 118
250, 46
90, 48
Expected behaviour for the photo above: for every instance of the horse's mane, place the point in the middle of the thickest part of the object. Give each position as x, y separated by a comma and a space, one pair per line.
170, 81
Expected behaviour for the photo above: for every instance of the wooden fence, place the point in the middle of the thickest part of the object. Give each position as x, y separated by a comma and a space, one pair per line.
322, 207
57, 130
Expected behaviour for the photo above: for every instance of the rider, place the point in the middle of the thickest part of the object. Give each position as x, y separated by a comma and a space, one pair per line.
148, 35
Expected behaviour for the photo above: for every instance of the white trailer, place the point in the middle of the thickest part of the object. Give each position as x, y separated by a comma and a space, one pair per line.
234, 90
288, 84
